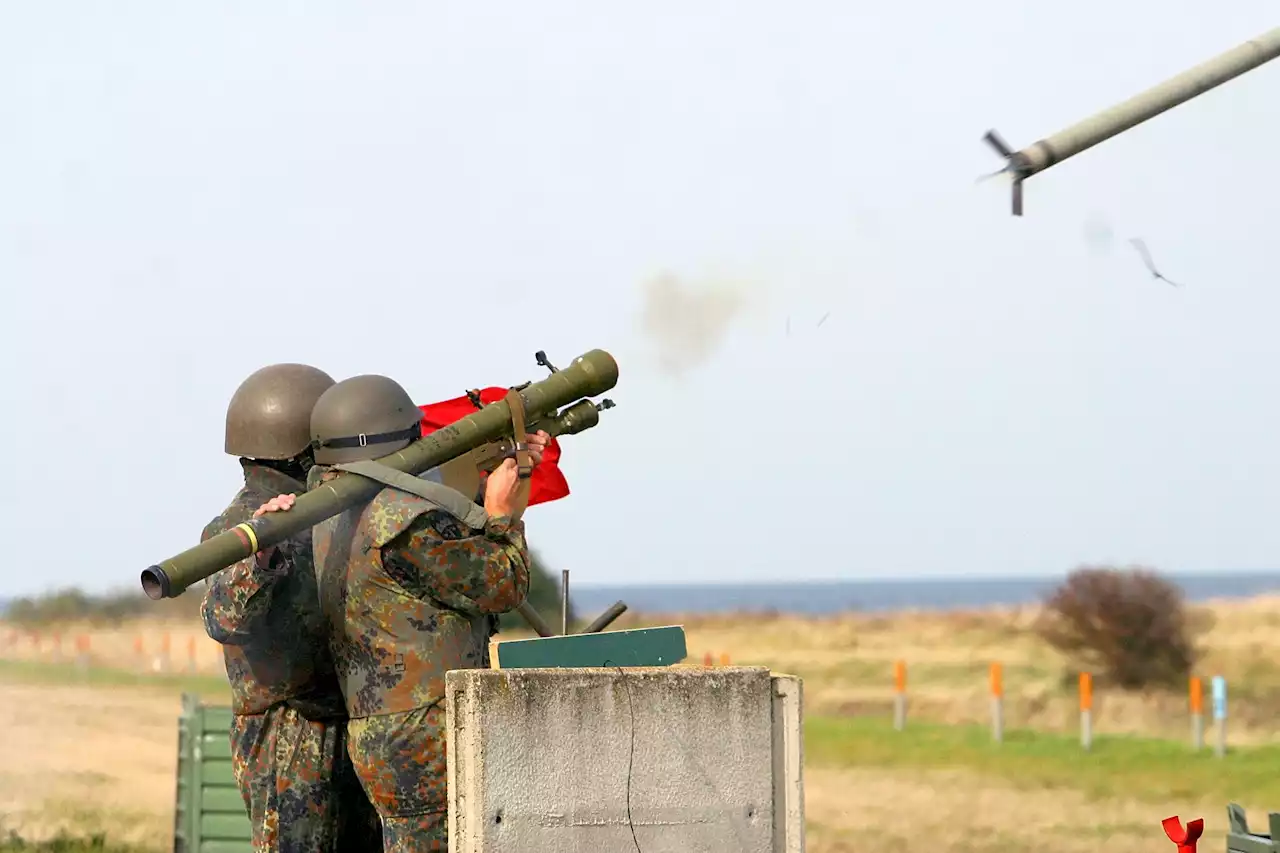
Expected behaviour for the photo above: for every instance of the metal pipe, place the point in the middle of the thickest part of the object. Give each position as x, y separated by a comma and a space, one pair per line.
605, 619
535, 620
564, 602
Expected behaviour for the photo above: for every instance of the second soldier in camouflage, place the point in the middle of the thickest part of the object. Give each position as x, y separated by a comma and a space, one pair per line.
411, 585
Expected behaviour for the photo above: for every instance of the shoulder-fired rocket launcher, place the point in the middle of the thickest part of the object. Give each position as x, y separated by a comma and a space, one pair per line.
589, 375
1177, 90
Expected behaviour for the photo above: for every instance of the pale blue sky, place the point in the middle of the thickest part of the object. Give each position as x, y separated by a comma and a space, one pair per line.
434, 191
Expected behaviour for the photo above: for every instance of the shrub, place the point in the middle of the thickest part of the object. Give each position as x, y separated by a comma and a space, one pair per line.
1130, 626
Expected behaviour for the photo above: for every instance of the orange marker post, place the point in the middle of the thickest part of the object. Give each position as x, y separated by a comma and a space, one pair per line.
724, 658
1086, 709
1195, 690
82, 651
708, 660
899, 695
997, 702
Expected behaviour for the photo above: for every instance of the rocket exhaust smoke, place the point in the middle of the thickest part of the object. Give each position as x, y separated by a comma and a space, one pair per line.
686, 323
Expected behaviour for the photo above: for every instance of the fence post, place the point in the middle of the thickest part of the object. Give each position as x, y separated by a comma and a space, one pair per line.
1197, 713
1086, 709
82, 652
1220, 714
899, 695
163, 662
997, 703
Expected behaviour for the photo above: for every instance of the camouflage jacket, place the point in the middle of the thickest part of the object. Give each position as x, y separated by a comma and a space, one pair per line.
268, 618
410, 592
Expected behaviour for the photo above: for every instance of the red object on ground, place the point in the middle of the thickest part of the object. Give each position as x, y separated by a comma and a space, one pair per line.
1185, 838
547, 482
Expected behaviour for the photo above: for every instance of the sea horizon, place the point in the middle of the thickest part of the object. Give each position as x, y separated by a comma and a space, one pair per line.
826, 597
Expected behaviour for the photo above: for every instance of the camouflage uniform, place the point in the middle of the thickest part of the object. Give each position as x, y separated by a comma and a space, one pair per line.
410, 592
288, 738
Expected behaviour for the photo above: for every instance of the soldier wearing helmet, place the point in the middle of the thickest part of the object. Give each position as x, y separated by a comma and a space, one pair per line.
288, 731
411, 584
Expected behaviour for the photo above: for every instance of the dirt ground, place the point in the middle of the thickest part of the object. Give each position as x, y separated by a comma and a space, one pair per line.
88, 760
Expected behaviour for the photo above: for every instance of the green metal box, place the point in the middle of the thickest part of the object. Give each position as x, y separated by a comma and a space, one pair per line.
209, 816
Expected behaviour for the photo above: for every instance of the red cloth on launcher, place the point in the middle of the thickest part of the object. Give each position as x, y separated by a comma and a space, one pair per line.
547, 483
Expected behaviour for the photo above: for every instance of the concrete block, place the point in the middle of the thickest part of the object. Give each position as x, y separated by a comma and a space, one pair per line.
788, 764
657, 759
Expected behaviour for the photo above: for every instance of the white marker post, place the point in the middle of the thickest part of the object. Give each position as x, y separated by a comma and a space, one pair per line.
1220, 714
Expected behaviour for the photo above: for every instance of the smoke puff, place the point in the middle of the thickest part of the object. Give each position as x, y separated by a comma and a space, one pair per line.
687, 323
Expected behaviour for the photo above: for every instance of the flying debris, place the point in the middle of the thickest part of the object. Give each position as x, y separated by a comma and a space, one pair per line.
1138, 244
824, 319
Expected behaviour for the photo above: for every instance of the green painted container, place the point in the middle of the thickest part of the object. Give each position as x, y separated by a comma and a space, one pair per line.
209, 813
637, 647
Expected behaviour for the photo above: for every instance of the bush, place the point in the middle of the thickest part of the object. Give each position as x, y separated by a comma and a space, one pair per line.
1129, 626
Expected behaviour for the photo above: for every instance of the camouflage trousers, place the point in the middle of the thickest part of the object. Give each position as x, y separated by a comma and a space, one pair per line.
400, 759
298, 785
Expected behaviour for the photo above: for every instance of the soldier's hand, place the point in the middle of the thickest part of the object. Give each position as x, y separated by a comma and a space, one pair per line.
280, 503
537, 442
501, 490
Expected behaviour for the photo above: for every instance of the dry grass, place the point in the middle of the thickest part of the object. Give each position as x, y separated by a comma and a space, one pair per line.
88, 759
847, 664
99, 755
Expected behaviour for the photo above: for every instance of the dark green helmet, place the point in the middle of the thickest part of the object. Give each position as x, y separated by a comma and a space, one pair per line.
269, 416
363, 417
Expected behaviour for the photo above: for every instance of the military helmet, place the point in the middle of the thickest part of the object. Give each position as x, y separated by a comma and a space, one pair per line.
269, 416
363, 417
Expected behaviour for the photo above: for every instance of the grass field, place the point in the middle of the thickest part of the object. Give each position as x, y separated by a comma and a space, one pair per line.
93, 748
